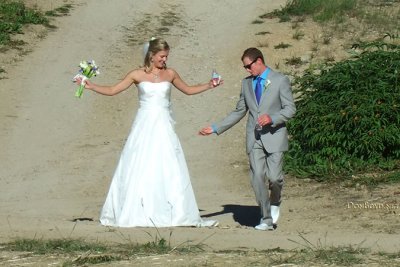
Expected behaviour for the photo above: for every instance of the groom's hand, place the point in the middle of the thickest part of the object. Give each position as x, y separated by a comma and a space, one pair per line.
206, 131
264, 119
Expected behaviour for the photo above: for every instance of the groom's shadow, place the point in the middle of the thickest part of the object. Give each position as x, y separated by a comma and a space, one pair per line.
244, 215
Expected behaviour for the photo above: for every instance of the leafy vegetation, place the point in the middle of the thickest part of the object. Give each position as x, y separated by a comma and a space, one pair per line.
39, 246
77, 252
294, 61
376, 14
320, 10
59, 11
257, 21
347, 123
282, 45
298, 35
84, 253
263, 33
13, 15
348, 117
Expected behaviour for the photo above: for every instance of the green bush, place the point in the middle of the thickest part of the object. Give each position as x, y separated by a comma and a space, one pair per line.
348, 117
322, 10
13, 15
377, 15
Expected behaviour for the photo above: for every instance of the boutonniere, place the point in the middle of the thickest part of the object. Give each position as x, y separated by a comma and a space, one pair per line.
267, 83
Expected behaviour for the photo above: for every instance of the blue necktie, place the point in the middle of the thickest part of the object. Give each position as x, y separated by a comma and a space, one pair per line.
258, 90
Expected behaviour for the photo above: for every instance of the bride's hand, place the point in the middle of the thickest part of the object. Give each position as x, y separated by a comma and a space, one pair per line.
89, 84
77, 80
213, 85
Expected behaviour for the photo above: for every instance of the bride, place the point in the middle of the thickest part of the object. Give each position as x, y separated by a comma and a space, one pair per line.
151, 185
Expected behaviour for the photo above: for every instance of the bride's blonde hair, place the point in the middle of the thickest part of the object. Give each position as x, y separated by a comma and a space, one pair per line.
154, 46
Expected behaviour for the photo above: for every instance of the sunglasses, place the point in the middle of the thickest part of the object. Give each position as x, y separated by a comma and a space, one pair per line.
248, 66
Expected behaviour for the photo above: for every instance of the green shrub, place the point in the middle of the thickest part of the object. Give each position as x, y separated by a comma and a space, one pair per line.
322, 10
384, 18
348, 117
13, 15
282, 45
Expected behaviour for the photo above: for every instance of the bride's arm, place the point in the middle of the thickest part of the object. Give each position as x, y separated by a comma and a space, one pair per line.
113, 89
187, 89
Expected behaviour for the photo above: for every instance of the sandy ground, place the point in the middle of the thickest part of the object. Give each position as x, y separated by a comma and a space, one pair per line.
58, 153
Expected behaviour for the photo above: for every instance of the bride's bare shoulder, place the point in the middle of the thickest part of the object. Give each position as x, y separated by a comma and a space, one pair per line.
170, 70
137, 74
172, 73
139, 71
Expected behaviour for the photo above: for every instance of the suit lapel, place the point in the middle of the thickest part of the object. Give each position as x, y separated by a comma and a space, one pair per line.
251, 90
264, 92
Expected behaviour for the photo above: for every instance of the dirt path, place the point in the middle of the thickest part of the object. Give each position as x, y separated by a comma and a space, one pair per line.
59, 153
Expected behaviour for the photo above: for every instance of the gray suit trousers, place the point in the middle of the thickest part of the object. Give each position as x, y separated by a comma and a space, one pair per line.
266, 175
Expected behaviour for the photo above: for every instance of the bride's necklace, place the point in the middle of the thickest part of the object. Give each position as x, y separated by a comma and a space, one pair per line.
156, 75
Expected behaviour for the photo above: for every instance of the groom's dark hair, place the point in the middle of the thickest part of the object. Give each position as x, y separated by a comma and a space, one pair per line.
253, 53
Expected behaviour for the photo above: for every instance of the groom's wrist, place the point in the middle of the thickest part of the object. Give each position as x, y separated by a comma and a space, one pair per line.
214, 128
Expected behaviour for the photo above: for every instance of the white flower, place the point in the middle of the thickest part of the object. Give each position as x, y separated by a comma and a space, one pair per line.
83, 64
267, 83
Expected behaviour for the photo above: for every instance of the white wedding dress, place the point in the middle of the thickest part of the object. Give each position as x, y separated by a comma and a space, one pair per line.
151, 185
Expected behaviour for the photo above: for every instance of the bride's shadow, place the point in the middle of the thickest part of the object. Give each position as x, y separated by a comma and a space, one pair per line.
244, 215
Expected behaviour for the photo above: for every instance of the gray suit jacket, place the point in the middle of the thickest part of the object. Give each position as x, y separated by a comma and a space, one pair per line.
276, 101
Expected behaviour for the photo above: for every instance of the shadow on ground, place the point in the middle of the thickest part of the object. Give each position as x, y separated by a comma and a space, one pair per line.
244, 215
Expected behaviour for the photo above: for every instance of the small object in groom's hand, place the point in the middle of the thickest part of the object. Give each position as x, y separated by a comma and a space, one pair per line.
258, 126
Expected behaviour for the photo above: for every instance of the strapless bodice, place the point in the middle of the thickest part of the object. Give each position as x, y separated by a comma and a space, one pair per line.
154, 95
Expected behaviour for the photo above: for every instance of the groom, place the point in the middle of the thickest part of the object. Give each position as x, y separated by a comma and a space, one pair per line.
267, 95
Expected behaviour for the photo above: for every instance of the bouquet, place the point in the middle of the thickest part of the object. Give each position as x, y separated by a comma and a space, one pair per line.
87, 70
